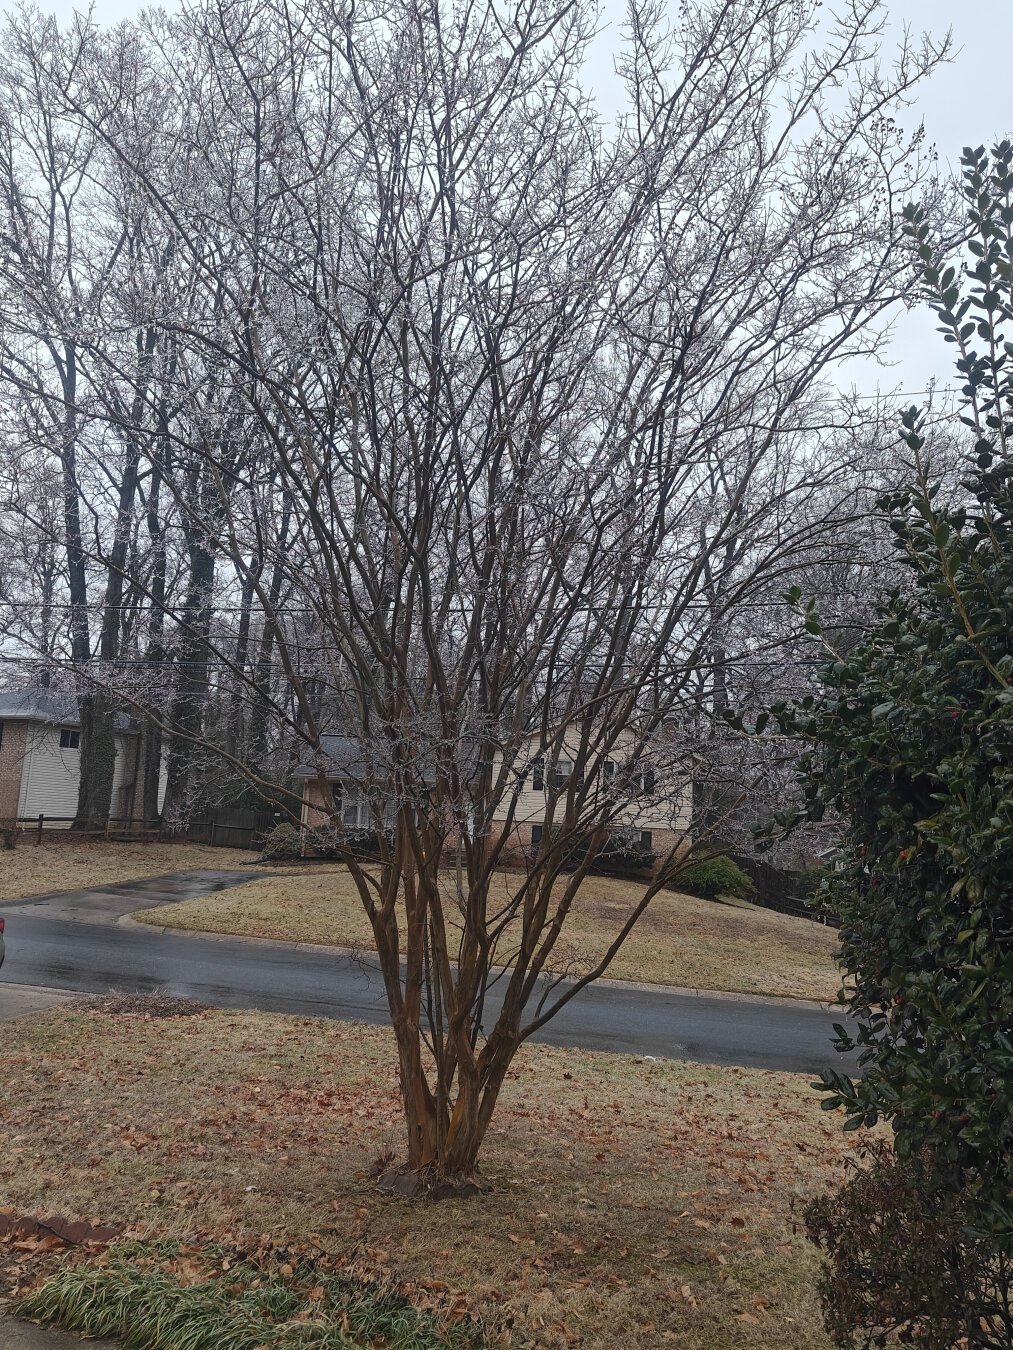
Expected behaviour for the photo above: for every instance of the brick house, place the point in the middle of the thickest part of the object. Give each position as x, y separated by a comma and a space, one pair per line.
40, 759
655, 818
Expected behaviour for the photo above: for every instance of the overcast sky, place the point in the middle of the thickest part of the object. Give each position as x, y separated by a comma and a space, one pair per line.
966, 102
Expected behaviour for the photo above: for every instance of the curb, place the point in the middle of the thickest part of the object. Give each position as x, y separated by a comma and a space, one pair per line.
634, 986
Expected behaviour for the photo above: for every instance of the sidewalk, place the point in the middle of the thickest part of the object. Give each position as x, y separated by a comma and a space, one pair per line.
18, 1000
25, 1336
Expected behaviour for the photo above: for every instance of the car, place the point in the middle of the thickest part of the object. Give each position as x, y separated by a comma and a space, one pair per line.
1, 942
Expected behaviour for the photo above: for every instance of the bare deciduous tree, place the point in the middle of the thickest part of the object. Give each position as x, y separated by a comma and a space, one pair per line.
492, 420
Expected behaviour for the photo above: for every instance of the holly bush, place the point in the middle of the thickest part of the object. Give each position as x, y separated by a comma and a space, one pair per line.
911, 744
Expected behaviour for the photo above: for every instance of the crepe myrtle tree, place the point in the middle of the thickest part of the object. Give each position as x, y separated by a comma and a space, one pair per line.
912, 746
535, 403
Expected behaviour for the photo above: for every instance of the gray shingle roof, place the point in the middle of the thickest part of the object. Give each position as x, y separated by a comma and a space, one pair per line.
362, 759
46, 705
343, 755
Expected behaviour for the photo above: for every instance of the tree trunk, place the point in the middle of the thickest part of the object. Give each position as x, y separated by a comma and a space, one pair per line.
235, 737
260, 718
97, 751
98, 708
421, 1123
443, 1157
187, 715
98, 760
152, 759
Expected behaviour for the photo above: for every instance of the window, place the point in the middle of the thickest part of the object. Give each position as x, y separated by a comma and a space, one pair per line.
638, 780
536, 835
538, 774
354, 809
630, 841
70, 738
561, 771
355, 812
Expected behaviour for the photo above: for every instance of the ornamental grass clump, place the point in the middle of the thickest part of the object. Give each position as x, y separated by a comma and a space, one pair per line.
163, 1297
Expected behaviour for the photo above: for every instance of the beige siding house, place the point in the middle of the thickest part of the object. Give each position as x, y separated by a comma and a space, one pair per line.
655, 817
658, 798
40, 760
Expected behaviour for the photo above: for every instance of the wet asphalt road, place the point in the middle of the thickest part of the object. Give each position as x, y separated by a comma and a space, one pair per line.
74, 942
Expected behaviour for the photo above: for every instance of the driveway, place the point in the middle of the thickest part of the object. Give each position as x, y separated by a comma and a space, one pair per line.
74, 942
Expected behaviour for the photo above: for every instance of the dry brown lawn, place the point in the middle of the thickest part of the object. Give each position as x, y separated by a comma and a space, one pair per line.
32, 869
700, 944
632, 1204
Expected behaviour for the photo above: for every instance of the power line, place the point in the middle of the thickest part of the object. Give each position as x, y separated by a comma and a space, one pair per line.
98, 607
911, 394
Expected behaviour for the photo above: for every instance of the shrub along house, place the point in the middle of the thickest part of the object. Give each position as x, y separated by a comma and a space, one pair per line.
653, 819
40, 759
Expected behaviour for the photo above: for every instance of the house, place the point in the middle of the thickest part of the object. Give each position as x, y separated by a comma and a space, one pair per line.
40, 759
654, 816
656, 796
348, 774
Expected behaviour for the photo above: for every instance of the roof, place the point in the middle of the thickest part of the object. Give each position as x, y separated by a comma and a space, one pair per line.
355, 759
58, 708
343, 757
360, 760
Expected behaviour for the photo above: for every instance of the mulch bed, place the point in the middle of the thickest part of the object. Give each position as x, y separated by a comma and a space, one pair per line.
142, 1005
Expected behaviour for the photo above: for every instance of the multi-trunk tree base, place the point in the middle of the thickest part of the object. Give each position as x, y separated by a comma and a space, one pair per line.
430, 1184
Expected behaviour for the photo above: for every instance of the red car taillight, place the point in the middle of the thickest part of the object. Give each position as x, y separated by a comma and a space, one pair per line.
1, 927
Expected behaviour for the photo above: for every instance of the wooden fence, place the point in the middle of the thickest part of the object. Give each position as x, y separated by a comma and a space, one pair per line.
228, 827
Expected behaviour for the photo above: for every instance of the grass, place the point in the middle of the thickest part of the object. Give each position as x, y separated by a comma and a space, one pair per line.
700, 944
632, 1204
73, 865
168, 1296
